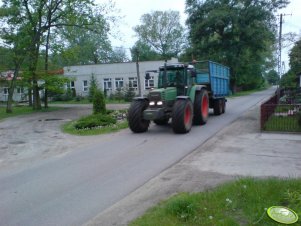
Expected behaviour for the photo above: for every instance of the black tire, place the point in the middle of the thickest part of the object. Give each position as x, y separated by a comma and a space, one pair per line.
201, 108
161, 122
135, 116
218, 106
182, 115
224, 106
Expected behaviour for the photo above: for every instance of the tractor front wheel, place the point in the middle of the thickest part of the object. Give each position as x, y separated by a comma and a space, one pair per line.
182, 115
135, 116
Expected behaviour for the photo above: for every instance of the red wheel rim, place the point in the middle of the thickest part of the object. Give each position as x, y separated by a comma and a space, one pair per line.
205, 106
187, 116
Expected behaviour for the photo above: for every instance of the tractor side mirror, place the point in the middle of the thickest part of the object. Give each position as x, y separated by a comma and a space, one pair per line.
147, 76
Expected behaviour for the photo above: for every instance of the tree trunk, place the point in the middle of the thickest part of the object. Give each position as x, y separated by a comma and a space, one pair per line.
46, 69
11, 89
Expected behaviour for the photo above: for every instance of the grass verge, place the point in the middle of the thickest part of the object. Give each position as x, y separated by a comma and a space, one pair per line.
243, 202
248, 92
22, 110
70, 128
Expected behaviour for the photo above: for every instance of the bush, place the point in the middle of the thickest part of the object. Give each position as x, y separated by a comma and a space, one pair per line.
99, 103
95, 120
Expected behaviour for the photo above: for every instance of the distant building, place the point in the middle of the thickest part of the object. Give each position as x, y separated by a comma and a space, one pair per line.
19, 91
111, 77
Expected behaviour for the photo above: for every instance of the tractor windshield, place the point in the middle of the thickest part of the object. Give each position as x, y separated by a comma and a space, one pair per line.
174, 78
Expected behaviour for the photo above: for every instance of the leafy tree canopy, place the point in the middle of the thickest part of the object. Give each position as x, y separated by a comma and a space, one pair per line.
162, 31
238, 33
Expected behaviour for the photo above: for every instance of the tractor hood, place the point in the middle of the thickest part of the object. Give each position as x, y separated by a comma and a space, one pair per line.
164, 94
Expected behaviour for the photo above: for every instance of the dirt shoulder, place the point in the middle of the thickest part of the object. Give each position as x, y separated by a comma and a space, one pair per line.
238, 150
29, 138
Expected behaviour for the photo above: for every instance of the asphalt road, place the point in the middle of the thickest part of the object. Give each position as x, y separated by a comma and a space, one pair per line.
71, 189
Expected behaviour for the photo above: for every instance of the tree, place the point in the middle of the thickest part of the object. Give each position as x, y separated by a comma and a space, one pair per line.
37, 17
162, 31
146, 53
93, 87
238, 33
272, 77
295, 58
99, 104
289, 80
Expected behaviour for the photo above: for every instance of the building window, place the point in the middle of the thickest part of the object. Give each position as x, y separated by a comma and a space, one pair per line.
85, 85
133, 83
5, 91
107, 84
72, 85
149, 83
118, 83
20, 90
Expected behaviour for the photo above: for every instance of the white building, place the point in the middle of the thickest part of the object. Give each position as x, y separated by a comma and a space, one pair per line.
19, 91
110, 77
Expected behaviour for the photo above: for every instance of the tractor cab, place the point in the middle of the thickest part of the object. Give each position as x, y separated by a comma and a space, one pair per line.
176, 75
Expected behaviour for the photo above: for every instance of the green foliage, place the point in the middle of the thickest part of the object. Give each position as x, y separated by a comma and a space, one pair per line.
145, 52
272, 77
295, 58
129, 93
289, 80
69, 128
162, 31
99, 104
93, 87
95, 120
242, 202
239, 34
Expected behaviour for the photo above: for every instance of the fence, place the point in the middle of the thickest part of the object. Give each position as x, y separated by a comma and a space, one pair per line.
280, 117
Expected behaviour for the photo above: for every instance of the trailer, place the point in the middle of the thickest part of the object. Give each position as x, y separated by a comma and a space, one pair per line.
216, 78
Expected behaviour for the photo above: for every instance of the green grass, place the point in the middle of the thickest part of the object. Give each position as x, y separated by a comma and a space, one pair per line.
70, 128
22, 110
283, 124
243, 202
248, 92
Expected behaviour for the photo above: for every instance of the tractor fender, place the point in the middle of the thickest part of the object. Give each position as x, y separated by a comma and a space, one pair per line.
200, 87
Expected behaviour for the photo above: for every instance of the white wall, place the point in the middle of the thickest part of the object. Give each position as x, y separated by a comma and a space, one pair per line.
112, 71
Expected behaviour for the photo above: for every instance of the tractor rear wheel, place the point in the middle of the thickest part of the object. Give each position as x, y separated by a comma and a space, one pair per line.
182, 115
135, 116
218, 106
201, 108
161, 122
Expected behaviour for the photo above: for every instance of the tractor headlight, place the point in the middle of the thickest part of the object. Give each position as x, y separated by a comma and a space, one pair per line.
152, 103
159, 103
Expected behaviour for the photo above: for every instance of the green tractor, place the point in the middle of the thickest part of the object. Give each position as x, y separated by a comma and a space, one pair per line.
177, 97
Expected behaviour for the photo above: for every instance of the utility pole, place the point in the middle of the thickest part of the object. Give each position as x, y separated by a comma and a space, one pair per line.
138, 73
280, 44
279, 54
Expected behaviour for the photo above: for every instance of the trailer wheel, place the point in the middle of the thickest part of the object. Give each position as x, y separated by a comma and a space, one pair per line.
182, 115
161, 122
135, 116
224, 106
218, 106
201, 108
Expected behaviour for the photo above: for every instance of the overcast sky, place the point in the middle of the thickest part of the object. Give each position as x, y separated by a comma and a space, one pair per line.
132, 10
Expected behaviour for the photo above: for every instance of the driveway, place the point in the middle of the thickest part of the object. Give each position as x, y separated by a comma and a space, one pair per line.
28, 138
